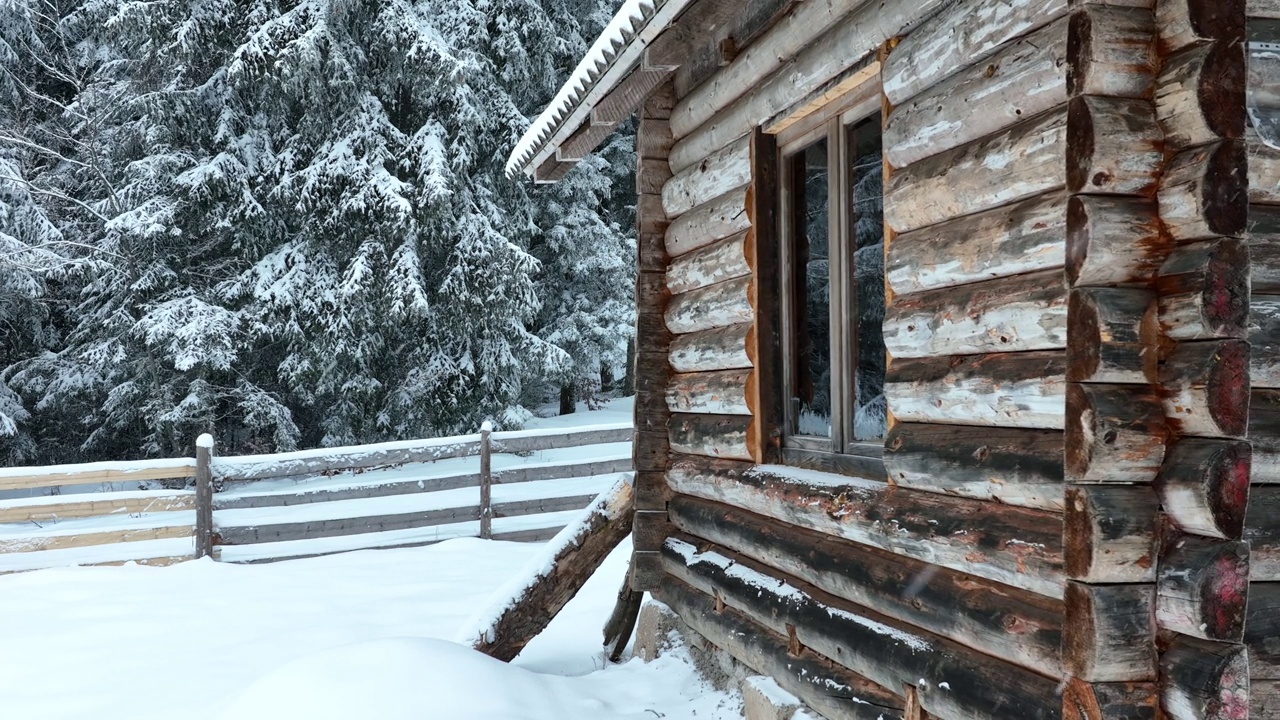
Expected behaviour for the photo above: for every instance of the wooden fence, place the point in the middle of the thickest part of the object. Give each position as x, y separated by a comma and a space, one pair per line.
521, 485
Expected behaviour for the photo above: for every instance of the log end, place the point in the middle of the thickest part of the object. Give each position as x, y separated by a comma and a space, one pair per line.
1203, 588
1222, 90
1205, 680
1225, 190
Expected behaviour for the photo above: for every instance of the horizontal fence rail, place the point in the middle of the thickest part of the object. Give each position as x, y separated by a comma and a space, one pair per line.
518, 485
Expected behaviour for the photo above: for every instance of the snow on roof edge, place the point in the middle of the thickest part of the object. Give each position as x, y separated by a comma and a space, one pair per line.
633, 19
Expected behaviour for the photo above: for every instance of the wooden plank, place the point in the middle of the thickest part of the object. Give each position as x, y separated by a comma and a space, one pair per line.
1263, 9
204, 497
20, 478
1206, 388
1200, 96
720, 218
1025, 312
1264, 171
1022, 628
863, 466
340, 527
1113, 241
962, 35
1204, 290
1264, 341
874, 646
714, 306
530, 536
723, 171
1110, 533
1025, 390
37, 543
1014, 546
723, 392
764, 343
620, 102
1114, 335
540, 506
1109, 634
1010, 240
979, 176
1262, 631
1204, 486
715, 349
1201, 680
1005, 465
80, 506
717, 436
1203, 193
226, 501
1203, 588
715, 263
834, 690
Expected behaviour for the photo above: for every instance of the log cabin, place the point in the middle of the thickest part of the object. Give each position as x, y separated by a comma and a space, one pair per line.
958, 392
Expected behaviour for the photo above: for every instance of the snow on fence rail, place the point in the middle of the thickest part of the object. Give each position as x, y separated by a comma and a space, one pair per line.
521, 485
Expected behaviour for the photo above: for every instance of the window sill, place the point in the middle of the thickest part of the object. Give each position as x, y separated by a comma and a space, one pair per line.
864, 466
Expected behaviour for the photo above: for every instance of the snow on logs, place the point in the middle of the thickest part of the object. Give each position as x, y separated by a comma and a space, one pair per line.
721, 392
950, 679
1015, 546
722, 260
1024, 628
719, 173
717, 219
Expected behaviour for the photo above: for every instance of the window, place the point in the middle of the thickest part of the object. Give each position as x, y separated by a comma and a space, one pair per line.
832, 293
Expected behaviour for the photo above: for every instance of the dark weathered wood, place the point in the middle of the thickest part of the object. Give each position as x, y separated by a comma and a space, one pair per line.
1202, 680
1009, 240
764, 343
1206, 388
1264, 341
651, 303
1023, 162
1205, 192
1264, 698
715, 349
1204, 486
1109, 632
1262, 531
1109, 701
204, 497
1264, 171
1200, 95
1114, 434
707, 223
486, 482
1015, 546
1262, 631
723, 392
1204, 290
620, 102
1264, 433
1025, 312
1113, 146
1183, 22
724, 260
552, 587
1005, 389
539, 506
1110, 533
1264, 248
826, 686
965, 34
1114, 336
1006, 465
1113, 241
1023, 628
1203, 587
874, 646
531, 535
649, 528
713, 306
622, 621
722, 436
847, 464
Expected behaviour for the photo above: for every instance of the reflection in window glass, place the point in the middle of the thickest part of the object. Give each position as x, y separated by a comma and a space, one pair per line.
870, 409
812, 400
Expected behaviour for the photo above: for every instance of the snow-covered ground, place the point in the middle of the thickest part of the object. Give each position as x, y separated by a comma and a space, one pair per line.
359, 636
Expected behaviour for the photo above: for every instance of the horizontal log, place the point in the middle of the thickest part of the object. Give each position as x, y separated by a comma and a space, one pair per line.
1023, 628
1264, 341
1264, 432
717, 436
1264, 249
1109, 635
1203, 587
90, 538
1204, 486
720, 261
1114, 146
540, 506
1206, 388
1007, 465
1007, 241
714, 306
1113, 240
718, 219
1200, 95
965, 34
1204, 290
715, 349
1264, 170
1020, 163
1262, 531
1005, 390
1262, 632
1202, 680
21, 478
1114, 434
721, 172
38, 510
1109, 701
1114, 336
723, 392
1015, 546
1109, 534
340, 527
1026, 312
1184, 22
834, 690
1203, 193
950, 680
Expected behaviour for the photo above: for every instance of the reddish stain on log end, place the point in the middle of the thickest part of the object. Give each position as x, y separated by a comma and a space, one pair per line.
1228, 591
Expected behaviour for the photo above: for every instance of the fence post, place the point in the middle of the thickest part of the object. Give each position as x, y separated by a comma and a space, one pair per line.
204, 496
486, 482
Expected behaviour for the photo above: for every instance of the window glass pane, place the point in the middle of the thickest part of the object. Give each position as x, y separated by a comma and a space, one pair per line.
870, 409
812, 300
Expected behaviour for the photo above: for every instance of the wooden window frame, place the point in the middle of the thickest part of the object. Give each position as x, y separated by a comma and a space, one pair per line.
840, 453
